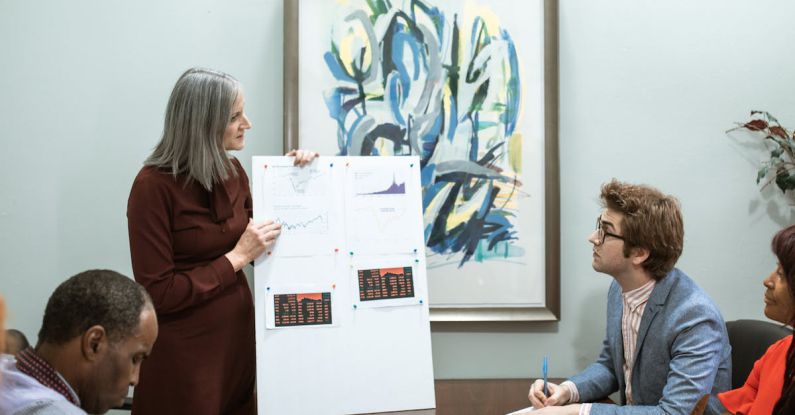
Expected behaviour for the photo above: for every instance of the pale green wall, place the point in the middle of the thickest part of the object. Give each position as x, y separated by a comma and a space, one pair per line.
647, 89
83, 90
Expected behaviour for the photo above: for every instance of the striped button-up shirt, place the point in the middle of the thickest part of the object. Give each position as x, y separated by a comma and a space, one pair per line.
634, 304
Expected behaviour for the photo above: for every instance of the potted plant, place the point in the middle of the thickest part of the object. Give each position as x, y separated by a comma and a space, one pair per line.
780, 167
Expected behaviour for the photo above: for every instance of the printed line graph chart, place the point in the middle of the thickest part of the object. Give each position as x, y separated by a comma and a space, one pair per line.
303, 201
291, 181
380, 222
379, 182
378, 208
296, 219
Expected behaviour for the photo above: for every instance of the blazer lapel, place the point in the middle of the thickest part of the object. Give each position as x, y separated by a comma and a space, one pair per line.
618, 358
657, 300
614, 326
648, 316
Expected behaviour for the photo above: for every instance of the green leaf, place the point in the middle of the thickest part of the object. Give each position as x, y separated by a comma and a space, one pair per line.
784, 180
777, 152
781, 181
761, 174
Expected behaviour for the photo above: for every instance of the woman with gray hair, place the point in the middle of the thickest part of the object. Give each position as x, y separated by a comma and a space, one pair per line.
191, 234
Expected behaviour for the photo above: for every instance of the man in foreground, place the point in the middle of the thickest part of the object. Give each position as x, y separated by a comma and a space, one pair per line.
97, 329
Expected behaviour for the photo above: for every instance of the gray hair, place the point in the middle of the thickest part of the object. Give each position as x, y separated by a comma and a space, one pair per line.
196, 117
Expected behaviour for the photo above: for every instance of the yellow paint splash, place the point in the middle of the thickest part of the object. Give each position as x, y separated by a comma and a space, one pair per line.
515, 152
384, 147
351, 45
473, 10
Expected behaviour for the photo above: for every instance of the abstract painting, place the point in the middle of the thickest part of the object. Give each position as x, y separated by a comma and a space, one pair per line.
464, 85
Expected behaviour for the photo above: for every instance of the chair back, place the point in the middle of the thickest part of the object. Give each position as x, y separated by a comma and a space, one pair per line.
749, 340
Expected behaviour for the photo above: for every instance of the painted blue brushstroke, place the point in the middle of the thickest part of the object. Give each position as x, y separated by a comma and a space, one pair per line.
426, 174
337, 71
473, 145
334, 104
482, 125
486, 205
398, 41
352, 104
514, 88
352, 131
433, 13
473, 37
429, 140
477, 26
407, 57
439, 18
427, 231
393, 83
503, 232
453, 119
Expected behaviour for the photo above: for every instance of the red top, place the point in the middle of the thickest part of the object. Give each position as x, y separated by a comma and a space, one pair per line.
762, 389
203, 361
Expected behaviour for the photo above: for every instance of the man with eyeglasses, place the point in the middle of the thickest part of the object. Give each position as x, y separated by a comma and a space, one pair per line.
666, 344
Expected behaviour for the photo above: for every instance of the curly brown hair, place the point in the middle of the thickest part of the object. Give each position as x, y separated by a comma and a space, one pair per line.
652, 221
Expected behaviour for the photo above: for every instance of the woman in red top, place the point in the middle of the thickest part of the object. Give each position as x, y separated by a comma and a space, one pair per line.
190, 237
769, 388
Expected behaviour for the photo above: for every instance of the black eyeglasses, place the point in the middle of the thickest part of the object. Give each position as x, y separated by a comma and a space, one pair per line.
601, 234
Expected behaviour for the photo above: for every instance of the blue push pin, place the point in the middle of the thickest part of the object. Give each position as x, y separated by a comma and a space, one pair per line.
420, 301
268, 288
351, 253
331, 165
354, 306
417, 261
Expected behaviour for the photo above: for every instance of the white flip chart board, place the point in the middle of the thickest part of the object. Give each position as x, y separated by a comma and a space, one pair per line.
341, 299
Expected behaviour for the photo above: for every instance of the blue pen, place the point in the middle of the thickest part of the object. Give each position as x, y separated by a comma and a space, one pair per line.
545, 372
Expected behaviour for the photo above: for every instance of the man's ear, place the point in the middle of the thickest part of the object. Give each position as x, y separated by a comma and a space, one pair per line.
639, 255
94, 342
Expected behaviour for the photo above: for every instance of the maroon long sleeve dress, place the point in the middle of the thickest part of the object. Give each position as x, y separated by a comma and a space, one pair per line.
203, 361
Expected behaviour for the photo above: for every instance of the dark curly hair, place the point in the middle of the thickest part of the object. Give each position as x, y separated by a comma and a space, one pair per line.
95, 297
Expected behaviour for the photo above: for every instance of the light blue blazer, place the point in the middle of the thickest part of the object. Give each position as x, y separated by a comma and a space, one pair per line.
682, 351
